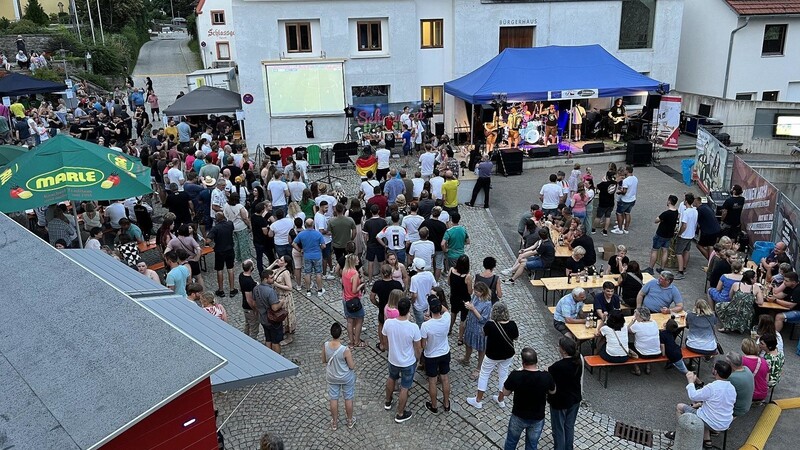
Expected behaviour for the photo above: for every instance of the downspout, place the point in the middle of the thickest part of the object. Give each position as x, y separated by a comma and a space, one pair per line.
730, 55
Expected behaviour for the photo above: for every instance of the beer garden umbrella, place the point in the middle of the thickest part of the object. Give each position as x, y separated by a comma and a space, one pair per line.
9, 152
68, 169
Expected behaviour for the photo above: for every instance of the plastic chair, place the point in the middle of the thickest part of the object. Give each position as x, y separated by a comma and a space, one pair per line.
313, 154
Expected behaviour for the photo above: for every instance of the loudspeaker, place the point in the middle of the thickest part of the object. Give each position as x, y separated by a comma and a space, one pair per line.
349, 111
594, 147
439, 128
552, 150
539, 152
510, 162
487, 114
639, 153
653, 101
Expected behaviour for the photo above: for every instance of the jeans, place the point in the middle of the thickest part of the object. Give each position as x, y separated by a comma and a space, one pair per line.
251, 323
282, 250
419, 316
260, 252
532, 428
488, 366
563, 423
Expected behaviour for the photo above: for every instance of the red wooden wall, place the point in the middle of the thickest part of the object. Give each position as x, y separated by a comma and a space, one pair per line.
164, 429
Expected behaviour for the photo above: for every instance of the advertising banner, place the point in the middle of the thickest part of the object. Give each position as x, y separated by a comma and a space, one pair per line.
710, 160
668, 122
367, 117
760, 201
787, 222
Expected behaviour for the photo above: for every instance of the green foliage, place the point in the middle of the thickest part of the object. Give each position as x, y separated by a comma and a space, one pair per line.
4, 23
25, 26
35, 13
68, 41
99, 80
108, 59
49, 74
191, 26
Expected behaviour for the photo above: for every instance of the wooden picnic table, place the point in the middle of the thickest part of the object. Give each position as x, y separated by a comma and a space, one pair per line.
583, 334
553, 284
562, 251
772, 306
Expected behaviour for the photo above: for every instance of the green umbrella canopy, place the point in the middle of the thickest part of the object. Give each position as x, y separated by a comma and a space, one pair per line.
64, 168
9, 152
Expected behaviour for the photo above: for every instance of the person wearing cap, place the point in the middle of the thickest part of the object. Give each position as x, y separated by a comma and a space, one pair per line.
436, 351
203, 208
659, 295
422, 283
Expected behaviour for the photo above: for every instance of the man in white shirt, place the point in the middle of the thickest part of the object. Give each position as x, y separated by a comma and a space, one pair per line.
278, 191
296, 186
393, 237
418, 183
321, 224
419, 132
630, 185
411, 223
685, 235
280, 231
382, 155
95, 238
219, 197
436, 185
114, 212
301, 165
426, 162
713, 404
404, 352
550, 196
324, 197
175, 175
423, 249
207, 135
405, 118
437, 353
421, 285
368, 186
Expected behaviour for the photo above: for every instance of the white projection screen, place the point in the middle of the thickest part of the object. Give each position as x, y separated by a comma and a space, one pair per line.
305, 88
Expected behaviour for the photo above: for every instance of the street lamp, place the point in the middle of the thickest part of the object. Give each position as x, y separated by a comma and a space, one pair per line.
88, 62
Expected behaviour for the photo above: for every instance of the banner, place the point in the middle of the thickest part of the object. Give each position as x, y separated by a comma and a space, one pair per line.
787, 222
575, 94
710, 160
369, 116
668, 122
760, 201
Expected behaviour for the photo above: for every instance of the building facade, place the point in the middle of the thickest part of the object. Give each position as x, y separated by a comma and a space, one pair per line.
404, 50
216, 33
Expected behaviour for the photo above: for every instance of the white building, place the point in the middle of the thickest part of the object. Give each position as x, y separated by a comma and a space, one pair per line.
739, 49
404, 50
216, 33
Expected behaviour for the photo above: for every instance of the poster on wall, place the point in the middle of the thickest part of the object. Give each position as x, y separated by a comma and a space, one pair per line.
710, 160
760, 201
787, 223
367, 117
668, 122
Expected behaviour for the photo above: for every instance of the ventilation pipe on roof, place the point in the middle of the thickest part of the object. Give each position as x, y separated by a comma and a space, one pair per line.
730, 55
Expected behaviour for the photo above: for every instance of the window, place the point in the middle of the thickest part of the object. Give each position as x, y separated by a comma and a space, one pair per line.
298, 37
435, 95
223, 51
431, 33
769, 96
704, 110
636, 24
218, 17
370, 95
516, 37
369, 36
745, 95
774, 38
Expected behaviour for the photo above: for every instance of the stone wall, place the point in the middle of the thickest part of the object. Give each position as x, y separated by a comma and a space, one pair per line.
33, 43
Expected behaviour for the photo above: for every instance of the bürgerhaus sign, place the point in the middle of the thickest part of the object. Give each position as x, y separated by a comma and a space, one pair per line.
517, 22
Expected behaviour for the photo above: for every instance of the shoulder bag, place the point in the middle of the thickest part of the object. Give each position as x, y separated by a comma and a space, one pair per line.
272, 316
631, 354
505, 335
353, 305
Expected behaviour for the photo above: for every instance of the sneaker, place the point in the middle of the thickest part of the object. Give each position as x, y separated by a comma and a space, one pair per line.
625, 231
509, 281
616, 227
402, 418
617, 231
680, 276
220, 293
321, 292
299, 288
506, 272
499, 403
387, 405
594, 231
328, 277
472, 401
605, 232
649, 270
234, 292
470, 204
659, 270
308, 293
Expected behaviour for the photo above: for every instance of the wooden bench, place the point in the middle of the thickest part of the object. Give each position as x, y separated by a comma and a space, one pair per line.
206, 250
595, 361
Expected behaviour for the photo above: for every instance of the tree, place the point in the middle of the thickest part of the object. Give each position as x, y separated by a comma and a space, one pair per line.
35, 13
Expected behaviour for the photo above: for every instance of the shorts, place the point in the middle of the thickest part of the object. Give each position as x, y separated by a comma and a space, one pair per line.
376, 254
792, 316
550, 130
439, 365
687, 409
312, 266
438, 260
405, 374
707, 239
604, 211
401, 254
660, 242
273, 333
625, 207
195, 266
560, 326
282, 250
534, 262
224, 260
457, 308
682, 245
348, 389
326, 252
355, 315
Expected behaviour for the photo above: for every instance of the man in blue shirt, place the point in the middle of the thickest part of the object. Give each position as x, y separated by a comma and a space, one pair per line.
393, 187
484, 171
406, 144
658, 295
310, 243
569, 310
184, 134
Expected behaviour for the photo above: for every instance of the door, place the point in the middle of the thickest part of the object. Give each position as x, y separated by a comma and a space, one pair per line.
516, 37
223, 51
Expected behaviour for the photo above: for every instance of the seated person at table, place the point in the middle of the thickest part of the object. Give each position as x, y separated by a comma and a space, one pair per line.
606, 301
616, 264
568, 232
776, 257
630, 283
615, 331
575, 264
720, 293
646, 341
540, 256
721, 267
570, 310
700, 322
670, 348
789, 298
582, 240
777, 280
658, 295
531, 235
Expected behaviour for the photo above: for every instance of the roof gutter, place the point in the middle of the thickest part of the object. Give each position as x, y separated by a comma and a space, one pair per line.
730, 56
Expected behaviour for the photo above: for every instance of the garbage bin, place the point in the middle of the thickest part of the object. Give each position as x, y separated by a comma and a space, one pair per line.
686, 165
761, 249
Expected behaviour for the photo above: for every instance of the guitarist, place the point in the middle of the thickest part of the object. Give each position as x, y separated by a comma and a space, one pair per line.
618, 116
491, 130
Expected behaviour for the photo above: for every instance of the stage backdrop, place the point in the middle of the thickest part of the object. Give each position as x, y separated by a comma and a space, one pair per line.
710, 160
760, 201
368, 116
788, 220
669, 119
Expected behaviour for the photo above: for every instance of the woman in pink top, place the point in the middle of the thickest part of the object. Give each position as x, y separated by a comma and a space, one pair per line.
352, 288
216, 309
390, 311
758, 366
579, 201
152, 98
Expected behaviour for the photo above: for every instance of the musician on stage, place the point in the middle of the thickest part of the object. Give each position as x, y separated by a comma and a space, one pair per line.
618, 117
491, 130
514, 123
578, 113
551, 125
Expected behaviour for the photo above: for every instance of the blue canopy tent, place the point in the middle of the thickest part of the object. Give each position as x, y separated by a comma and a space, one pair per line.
543, 73
16, 84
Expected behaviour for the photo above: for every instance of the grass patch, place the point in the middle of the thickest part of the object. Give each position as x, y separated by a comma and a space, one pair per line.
194, 46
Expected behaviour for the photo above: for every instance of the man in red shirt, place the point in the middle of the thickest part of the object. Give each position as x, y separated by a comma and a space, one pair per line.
380, 200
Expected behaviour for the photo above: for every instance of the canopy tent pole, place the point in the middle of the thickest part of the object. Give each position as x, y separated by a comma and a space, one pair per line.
569, 118
472, 126
77, 224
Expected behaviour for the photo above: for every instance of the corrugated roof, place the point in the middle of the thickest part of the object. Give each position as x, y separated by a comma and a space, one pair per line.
764, 7
249, 361
94, 362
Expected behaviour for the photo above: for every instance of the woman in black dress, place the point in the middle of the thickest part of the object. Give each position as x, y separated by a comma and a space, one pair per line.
460, 281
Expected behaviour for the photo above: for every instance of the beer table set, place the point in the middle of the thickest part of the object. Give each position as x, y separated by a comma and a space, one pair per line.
561, 284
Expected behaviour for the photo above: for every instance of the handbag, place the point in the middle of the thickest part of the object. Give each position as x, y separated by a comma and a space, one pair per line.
505, 336
719, 346
631, 354
353, 305
272, 316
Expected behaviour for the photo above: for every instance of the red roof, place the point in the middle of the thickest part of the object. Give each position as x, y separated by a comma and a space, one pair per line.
199, 8
764, 7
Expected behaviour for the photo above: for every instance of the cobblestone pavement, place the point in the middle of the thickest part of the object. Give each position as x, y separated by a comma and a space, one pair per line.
297, 407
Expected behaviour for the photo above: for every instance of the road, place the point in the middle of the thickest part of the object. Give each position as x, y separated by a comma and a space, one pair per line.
166, 59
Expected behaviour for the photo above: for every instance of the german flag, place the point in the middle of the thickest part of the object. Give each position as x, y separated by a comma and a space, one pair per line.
366, 164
